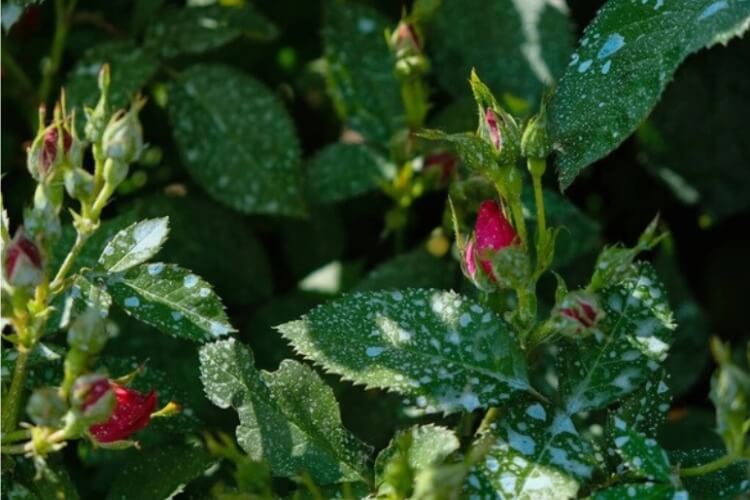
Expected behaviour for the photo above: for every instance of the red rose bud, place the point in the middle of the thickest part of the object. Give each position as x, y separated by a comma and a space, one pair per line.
132, 413
492, 129
94, 398
48, 151
405, 39
443, 161
22, 264
492, 233
578, 312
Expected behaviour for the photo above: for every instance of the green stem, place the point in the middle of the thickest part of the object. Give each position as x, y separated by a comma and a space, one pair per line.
12, 401
60, 37
517, 210
541, 220
67, 264
18, 435
713, 466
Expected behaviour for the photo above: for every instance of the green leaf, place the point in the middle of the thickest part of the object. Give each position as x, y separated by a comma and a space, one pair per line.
644, 410
342, 171
634, 337
360, 70
538, 454
172, 299
236, 140
289, 417
204, 237
192, 30
442, 351
134, 245
417, 268
131, 69
641, 491
712, 172
474, 151
517, 47
641, 454
160, 472
726, 483
421, 447
623, 63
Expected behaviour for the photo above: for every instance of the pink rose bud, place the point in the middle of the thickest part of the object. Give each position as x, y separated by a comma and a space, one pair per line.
45, 152
93, 397
493, 128
405, 39
23, 265
578, 312
444, 161
492, 233
132, 413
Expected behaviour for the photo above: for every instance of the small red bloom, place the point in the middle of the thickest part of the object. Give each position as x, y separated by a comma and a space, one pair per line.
493, 128
23, 262
49, 148
132, 413
584, 314
577, 313
492, 233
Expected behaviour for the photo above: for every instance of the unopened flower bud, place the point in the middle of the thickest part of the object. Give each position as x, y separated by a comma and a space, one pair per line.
79, 183
48, 151
122, 140
577, 313
115, 171
405, 40
23, 265
132, 413
496, 126
96, 119
492, 233
88, 333
535, 140
46, 407
94, 398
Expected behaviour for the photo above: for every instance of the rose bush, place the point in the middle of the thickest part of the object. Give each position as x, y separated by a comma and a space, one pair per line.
279, 250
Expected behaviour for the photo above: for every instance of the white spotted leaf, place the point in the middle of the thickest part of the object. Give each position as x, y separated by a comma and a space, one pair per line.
192, 30
172, 299
538, 453
623, 63
632, 339
134, 245
289, 418
159, 472
644, 410
236, 140
443, 352
359, 72
641, 454
640, 491
419, 446
342, 171
727, 483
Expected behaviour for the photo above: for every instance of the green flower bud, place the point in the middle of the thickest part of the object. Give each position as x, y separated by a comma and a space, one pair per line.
535, 139
96, 119
46, 407
79, 183
48, 151
88, 332
115, 171
123, 138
